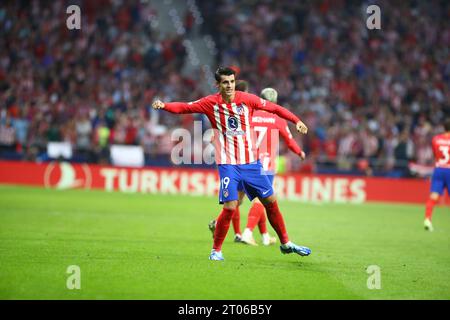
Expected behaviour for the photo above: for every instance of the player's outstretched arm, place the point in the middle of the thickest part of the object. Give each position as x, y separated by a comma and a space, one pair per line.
180, 107
283, 113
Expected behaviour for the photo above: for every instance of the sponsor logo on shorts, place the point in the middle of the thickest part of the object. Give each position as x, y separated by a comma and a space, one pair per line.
225, 193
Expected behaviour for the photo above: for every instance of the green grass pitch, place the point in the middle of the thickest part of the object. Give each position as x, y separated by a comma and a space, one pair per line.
136, 246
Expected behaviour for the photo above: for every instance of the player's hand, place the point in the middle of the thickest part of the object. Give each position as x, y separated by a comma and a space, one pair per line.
301, 127
158, 104
302, 155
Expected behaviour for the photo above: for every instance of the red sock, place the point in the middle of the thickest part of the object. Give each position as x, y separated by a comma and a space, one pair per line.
262, 225
276, 221
429, 208
222, 226
254, 215
237, 221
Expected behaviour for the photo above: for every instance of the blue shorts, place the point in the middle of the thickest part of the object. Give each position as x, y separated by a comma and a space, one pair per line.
440, 180
270, 176
249, 178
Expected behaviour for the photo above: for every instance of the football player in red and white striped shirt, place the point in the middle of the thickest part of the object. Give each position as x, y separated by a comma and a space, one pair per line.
268, 127
441, 174
229, 112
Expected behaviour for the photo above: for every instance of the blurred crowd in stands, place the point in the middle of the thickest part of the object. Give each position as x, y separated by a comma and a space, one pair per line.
372, 99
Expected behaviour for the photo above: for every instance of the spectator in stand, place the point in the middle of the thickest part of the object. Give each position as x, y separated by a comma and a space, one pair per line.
21, 125
7, 135
83, 129
404, 149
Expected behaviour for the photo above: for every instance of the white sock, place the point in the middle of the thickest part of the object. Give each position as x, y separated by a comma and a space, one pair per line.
265, 237
247, 233
286, 245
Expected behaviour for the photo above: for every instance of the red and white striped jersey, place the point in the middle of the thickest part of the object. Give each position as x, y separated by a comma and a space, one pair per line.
268, 128
441, 150
234, 141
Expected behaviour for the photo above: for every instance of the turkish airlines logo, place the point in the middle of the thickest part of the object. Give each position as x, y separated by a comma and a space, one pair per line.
233, 123
63, 175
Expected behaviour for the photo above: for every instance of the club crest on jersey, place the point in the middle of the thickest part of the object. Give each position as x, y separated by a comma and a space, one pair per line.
233, 123
240, 110
225, 193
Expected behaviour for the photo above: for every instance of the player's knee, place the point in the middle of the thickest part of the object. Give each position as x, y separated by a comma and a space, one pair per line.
231, 205
241, 198
270, 199
434, 196
256, 201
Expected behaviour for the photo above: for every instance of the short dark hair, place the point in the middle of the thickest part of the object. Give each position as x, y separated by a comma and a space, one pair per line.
447, 124
242, 85
223, 71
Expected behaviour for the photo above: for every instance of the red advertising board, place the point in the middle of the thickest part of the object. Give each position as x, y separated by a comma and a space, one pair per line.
307, 188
